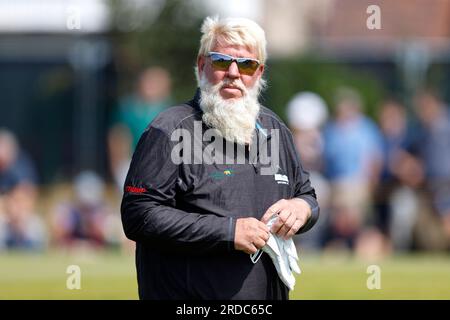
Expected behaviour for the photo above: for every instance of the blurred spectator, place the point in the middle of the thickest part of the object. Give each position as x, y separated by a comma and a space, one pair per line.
15, 166
135, 112
307, 112
433, 146
352, 163
120, 150
87, 220
395, 198
20, 226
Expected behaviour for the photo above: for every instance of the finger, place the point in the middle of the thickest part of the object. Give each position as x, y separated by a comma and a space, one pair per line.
287, 225
297, 225
251, 249
283, 216
275, 208
263, 227
259, 243
254, 226
264, 236
286, 228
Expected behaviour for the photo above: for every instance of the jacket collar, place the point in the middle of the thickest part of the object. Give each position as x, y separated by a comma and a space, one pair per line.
195, 101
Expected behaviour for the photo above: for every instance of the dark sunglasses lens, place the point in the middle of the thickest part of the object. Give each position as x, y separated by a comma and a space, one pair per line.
220, 62
248, 66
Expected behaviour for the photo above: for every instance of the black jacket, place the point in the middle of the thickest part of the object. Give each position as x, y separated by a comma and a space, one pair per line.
183, 217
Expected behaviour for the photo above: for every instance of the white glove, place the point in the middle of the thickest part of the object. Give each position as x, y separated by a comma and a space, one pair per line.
283, 254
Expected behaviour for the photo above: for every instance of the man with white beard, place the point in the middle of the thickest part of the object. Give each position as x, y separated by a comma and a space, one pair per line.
195, 224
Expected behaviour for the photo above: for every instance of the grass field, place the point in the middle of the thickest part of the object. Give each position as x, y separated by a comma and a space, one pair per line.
113, 276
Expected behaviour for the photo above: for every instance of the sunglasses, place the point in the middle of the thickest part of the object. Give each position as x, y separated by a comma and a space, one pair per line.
223, 62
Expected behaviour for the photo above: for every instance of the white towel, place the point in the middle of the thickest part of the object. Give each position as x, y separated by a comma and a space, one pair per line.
283, 254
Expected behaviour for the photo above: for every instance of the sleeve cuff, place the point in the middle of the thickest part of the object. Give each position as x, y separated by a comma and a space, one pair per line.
231, 231
315, 211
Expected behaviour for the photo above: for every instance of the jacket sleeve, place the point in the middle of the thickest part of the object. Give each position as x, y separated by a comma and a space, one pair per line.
148, 209
305, 191
302, 187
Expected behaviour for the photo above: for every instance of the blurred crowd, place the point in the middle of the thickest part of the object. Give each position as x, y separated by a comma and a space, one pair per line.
383, 183
86, 216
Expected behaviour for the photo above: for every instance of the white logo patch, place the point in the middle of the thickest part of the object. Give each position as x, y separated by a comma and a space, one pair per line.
281, 178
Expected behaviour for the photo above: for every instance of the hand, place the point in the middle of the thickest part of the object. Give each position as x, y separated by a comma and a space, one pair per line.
292, 213
250, 235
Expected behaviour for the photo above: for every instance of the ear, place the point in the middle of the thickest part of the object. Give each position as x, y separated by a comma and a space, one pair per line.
261, 69
200, 63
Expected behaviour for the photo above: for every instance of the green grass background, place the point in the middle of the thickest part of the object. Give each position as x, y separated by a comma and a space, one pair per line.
113, 276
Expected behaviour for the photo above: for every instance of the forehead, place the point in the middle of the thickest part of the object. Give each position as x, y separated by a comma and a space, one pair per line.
238, 51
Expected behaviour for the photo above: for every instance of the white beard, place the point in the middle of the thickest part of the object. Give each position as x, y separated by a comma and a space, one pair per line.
234, 120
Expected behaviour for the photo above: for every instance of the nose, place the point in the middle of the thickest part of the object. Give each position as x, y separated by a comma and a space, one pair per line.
233, 70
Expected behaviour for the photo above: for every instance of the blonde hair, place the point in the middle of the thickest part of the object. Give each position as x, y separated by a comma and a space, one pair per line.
233, 31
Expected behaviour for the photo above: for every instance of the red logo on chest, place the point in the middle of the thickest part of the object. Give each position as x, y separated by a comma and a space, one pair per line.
134, 189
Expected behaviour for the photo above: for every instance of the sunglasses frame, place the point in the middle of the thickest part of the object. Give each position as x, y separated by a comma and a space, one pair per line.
232, 59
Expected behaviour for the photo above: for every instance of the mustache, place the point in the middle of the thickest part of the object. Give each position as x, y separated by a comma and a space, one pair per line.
234, 84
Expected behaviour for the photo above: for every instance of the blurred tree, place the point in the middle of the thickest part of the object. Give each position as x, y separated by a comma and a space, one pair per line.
158, 32
438, 77
287, 77
167, 33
